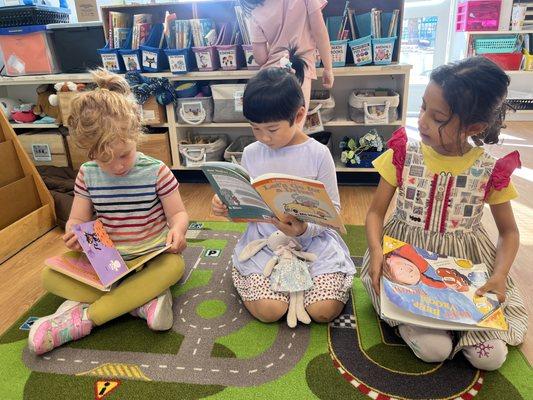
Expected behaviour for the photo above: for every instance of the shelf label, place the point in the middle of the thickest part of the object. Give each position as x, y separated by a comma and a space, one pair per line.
41, 152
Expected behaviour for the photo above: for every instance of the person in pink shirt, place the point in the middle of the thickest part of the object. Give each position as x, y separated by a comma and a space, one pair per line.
280, 25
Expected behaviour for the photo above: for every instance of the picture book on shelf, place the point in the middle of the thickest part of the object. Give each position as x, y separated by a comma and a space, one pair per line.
271, 195
436, 291
100, 265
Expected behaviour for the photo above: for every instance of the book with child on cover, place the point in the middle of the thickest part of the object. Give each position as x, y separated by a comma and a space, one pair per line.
100, 265
271, 195
436, 291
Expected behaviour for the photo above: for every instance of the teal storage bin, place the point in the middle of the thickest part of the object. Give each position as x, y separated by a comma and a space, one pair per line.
153, 57
361, 50
338, 52
383, 50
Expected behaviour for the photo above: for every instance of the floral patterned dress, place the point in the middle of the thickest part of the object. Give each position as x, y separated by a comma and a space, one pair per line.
442, 212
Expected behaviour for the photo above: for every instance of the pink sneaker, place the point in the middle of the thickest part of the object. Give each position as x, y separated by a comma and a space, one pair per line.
157, 312
65, 325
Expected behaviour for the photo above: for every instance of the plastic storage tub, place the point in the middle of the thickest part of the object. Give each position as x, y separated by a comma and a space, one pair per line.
230, 57
338, 52
206, 58
373, 107
478, 15
32, 15
249, 56
28, 50
506, 61
499, 44
361, 50
76, 45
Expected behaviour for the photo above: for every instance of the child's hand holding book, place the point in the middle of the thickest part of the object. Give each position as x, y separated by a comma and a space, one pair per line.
290, 226
219, 208
71, 241
497, 285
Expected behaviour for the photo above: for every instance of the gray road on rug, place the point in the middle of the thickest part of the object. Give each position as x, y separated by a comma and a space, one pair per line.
193, 363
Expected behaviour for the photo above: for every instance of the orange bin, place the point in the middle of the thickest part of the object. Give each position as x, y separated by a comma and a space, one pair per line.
28, 50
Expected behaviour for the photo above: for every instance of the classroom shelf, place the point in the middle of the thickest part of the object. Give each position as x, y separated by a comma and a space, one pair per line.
392, 69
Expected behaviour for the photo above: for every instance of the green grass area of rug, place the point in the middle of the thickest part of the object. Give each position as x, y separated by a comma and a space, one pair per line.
251, 340
198, 278
224, 226
13, 372
211, 309
214, 244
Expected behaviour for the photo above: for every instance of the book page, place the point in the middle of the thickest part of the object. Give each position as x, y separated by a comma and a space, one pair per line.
77, 266
302, 198
235, 191
420, 284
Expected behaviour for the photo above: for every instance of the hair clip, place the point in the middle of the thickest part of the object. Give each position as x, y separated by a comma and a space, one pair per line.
285, 63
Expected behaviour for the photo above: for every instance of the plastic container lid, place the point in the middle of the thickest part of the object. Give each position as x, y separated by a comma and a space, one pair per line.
74, 26
21, 30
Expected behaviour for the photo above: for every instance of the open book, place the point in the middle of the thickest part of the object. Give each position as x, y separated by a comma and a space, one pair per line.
271, 195
435, 291
100, 265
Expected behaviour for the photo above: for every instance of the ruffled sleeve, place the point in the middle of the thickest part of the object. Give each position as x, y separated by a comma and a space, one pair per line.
499, 187
398, 144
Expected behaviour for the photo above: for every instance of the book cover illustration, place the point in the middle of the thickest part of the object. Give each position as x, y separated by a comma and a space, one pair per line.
302, 198
232, 184
419, 287
101, 252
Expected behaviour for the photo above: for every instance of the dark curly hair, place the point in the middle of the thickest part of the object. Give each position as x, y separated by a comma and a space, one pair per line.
475, 90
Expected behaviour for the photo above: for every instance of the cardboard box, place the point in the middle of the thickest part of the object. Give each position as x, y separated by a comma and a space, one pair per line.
154, 145
153, 112
45, 148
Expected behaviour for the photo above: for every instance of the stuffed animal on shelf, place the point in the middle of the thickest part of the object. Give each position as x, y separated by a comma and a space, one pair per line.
64, 87
288, 271
43, 108
23, 114
7, 105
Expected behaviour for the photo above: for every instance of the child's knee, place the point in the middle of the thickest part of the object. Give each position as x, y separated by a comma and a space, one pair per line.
489, 355
174, 266
429, 345
266, 310
325, 310
49, 279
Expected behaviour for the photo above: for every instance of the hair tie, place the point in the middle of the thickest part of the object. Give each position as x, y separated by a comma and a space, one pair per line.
285, 63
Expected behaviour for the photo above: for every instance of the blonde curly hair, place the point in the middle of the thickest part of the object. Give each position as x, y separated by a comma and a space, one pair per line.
105, 115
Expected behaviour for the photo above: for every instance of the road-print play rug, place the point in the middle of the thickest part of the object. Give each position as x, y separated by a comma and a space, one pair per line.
216, 350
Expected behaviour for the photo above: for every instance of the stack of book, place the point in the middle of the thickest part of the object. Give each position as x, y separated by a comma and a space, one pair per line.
204, 32
182, 34
119, 28
142, 23
244, 25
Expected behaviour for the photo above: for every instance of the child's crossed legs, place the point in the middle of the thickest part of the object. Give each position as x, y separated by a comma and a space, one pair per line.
432, 345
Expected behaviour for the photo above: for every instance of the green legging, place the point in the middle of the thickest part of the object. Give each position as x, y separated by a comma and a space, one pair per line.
135, 290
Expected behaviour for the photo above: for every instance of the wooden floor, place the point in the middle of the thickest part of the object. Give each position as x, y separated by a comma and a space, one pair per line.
20, 283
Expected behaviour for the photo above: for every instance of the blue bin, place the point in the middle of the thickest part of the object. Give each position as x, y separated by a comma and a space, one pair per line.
112, 60
181, 61
153, 57
131, 59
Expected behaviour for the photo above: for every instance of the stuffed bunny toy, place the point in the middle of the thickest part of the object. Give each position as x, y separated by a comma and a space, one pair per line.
288, 273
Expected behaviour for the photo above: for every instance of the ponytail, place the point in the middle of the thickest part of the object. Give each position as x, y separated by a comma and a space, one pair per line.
299, 65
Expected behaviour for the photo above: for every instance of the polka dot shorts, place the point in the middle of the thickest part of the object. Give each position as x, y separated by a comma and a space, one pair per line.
334, 286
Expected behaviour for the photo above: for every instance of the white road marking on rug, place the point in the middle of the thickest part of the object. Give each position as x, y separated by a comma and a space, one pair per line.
215, 370
199, 340
233, 371
145, 366
194, 352
252, 371
46, 358
198, 369
163, 366
290, 345
95, 362
269, 365
78, 361
60, 359
180, 368
282, 355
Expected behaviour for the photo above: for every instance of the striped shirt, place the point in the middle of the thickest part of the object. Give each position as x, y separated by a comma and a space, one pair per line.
130, 206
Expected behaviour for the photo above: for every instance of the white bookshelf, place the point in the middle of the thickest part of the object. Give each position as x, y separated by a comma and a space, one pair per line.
394, 76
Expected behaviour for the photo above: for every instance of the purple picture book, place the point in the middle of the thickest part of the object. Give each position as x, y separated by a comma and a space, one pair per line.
101, 252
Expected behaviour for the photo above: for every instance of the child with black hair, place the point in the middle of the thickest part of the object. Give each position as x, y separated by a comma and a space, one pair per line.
280, 25
274, 104
443, 184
